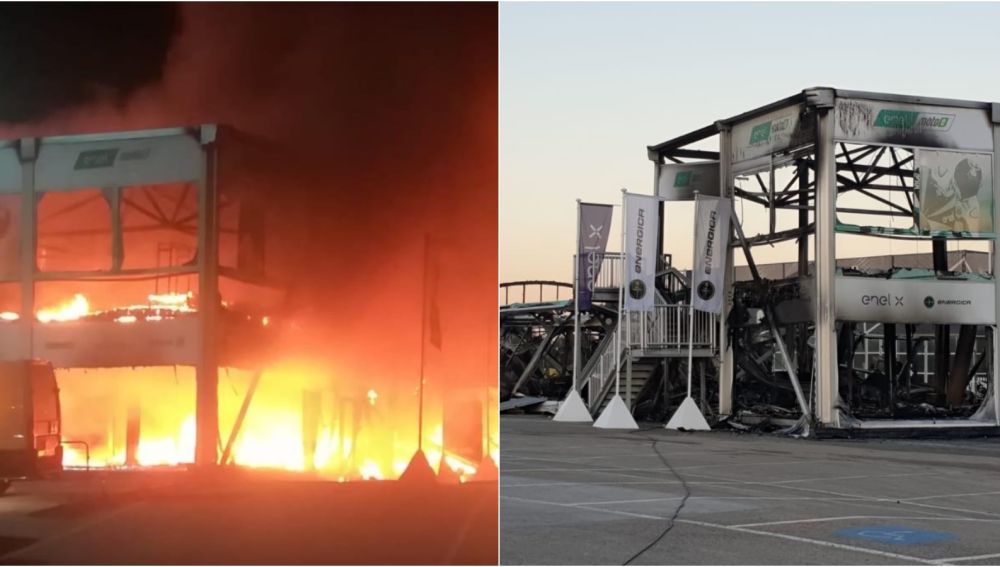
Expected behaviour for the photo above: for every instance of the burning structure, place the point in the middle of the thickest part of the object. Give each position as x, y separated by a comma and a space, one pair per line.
250, 294
124, 251
827, 342
134, 264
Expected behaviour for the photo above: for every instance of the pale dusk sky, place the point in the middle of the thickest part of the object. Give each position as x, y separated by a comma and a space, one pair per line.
585, 87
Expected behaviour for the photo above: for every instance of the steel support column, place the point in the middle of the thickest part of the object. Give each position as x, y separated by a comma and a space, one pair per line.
577, 343
801, 330
656, 191
28, 153
133, 429
826, 266
726, 366
942, 333
889, 355
207, 370
996, 268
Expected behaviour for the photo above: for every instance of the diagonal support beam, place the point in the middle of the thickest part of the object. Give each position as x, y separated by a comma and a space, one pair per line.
550, 334
227, 451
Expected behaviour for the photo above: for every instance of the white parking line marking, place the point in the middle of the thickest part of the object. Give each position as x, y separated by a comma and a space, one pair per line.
950, 508
595, 483
853, 477
601, 469
648, 455
660, 468
691, 498
947, 560
615, 512
839, 518
866, 498
706, 482
562, 448
953, 495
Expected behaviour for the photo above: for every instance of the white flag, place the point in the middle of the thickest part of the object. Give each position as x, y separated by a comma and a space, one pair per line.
642, 219
711, 244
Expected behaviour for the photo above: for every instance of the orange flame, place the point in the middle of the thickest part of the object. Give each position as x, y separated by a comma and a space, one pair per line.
353, 438
67, 311
350, 434
79, 307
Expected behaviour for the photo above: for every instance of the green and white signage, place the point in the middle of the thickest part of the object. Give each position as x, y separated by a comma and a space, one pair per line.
916, 125
680, 181
756, 139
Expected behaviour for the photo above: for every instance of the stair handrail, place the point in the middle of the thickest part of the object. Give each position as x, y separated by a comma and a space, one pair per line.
600, 394
603, 370
595, 357
667, 326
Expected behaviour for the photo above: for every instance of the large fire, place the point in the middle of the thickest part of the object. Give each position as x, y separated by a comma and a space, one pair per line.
69, 311
349, 438
299, 418
160, 306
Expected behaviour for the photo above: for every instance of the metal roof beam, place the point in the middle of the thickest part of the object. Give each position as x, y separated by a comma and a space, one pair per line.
663, 148
691, 154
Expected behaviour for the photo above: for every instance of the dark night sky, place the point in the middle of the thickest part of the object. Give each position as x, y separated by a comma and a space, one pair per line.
384, 120
55, 56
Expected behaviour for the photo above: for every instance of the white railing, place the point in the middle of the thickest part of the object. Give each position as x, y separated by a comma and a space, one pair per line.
610, 274
667, 327
603, 370
611, 270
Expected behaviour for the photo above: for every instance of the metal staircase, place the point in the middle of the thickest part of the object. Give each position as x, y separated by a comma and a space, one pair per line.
648, 337
642, 372
600, 366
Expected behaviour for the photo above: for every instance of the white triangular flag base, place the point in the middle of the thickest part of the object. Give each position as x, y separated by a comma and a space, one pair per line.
573, 409
419, 470
688, 416
616, 416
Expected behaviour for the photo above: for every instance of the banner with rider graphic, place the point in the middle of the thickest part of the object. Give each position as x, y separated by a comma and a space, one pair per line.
956, 193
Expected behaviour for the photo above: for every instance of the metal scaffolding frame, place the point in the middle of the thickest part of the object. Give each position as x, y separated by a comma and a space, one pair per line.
853, 155
31, 167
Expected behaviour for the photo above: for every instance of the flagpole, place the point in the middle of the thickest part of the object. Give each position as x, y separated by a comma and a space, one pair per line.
486, 412
690, 340
576, 301
622, 314
423, 346
688, 415
694, 254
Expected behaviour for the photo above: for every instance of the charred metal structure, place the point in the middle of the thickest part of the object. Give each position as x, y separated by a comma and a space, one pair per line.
537, 338
873, 347
831, 340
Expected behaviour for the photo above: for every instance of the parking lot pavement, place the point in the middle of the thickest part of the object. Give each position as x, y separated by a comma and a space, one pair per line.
572, 494
244, 517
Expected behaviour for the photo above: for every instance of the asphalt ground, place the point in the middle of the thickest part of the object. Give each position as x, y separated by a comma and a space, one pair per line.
244, 518
573, 494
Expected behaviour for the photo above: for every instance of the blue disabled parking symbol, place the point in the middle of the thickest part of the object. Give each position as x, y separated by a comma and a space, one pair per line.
898, 535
